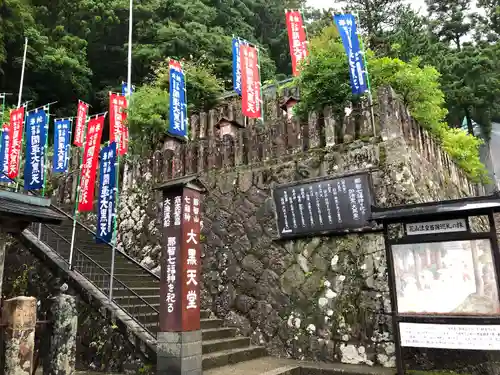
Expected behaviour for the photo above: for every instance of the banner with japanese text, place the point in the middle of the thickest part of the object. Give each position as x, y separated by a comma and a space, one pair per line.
107, 182
178, 110
62, 136
124, 89
237, 65
16, 140
4, 153
250, 81
89, 164
117, 118
346, 25
296, 38
36, 131
81, 119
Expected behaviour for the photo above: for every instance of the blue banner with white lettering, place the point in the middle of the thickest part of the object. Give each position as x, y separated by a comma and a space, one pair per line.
346, 24
178, 110
4, 154
36, 131
236, 65
124, 89
62, 136
107, 194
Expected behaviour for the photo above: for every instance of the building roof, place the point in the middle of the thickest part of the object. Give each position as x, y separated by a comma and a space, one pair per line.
438, 210
16, 207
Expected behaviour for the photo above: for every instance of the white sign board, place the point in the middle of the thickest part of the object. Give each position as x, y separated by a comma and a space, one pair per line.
432, 227
450, 336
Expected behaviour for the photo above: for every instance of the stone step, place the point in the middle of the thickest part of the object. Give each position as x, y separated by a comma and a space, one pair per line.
260, 366
232, 356
131, 300
146, 291
218, 333
212, 346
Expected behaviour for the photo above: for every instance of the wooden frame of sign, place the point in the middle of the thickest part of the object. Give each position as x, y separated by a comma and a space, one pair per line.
447, 297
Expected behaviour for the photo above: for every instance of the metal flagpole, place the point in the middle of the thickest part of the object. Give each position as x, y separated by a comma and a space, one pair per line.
46, 146
20, 94
77, 198
370, 97
129, 66
117, 171
260, 87
22, 73
114, 238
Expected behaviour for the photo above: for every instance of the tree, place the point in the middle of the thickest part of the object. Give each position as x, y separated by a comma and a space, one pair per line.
324, 81
148, 116
374, 17
450, 20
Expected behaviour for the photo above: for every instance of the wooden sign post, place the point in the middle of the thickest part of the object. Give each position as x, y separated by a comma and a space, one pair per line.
179, 336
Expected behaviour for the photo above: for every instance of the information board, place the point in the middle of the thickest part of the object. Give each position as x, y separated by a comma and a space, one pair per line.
323, 206
450, 336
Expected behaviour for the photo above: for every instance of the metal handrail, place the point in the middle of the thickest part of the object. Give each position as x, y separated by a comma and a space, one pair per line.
105, 242
77, 248
128, 257
124, 286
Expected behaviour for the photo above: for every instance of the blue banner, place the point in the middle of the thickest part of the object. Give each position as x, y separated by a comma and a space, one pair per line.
124, 89
4, 154
346, 24
36, 131
236, 65
178, 110
107, 194
62, 136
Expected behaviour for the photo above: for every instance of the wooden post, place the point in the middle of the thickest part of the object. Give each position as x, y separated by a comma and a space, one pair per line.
179, 336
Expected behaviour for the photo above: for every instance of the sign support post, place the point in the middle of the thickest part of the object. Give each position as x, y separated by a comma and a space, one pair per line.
180, 278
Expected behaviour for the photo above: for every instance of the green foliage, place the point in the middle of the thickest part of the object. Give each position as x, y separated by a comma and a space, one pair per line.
149, 108
324, 78
418, 87
325, 82
464, 150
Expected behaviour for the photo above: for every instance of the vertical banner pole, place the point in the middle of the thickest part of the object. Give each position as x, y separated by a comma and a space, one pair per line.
45, 147
114, 238
260, 87
129, 63
370, 97
75, 215
19, 97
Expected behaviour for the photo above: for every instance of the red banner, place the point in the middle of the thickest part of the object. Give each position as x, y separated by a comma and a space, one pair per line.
89, 164
16, 140
81, 119
250, 81
296, 39
118, 131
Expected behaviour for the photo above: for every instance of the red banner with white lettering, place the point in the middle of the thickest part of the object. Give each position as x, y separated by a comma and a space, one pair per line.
250, 81
16, 140
118, 131
89, 164
81, 119
296, 39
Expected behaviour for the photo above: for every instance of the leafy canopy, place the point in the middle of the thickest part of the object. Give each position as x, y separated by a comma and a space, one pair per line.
324, 81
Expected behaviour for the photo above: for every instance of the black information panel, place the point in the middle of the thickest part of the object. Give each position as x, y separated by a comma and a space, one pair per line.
322, 206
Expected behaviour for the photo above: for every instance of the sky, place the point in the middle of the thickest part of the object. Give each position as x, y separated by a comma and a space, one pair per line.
418, 5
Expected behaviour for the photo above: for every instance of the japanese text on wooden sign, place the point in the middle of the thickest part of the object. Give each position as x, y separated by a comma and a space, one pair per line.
322, 206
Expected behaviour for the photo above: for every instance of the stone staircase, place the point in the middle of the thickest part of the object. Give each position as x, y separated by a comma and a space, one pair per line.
136, 293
